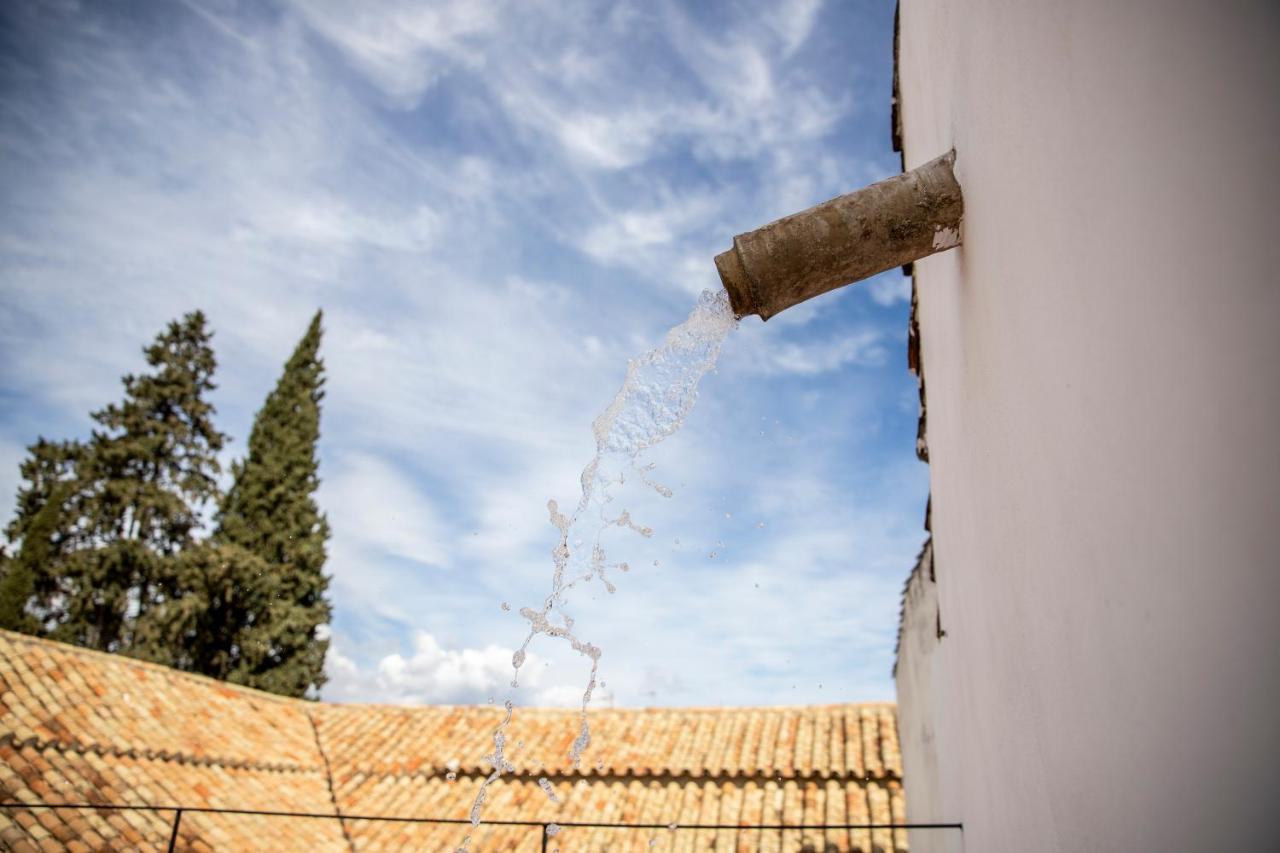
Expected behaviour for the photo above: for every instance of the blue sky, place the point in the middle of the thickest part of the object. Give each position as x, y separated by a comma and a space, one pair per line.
496, 204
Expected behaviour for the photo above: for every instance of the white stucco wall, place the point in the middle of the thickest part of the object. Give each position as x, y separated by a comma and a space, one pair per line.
1102, 359
918, 640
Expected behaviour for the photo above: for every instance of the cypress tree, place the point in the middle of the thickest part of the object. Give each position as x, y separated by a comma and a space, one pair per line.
14, 595
18, 579
30, 583
270, 512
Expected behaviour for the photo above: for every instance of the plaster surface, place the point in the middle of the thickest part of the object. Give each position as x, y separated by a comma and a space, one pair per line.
1101, 358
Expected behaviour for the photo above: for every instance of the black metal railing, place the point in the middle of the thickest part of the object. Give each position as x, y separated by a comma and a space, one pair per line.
544, 827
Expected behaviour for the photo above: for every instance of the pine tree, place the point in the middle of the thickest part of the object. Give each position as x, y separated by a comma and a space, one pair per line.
271, 513
133, 495
215, 621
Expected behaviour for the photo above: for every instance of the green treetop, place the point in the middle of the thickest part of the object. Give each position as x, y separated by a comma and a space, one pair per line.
270, 512
30, 587
22, 577
138, 487
109, 556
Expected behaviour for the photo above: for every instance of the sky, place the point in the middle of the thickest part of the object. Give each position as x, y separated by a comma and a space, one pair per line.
496, 205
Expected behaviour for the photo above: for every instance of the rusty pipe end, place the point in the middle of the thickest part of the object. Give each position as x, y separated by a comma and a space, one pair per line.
847, 239
733, 275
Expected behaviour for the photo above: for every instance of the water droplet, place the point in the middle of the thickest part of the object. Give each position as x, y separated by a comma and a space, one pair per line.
673, 827
728, 515
490, 700
451, 776
677, 541
760, 524
712, 555
657, 562
506, 607
552, 830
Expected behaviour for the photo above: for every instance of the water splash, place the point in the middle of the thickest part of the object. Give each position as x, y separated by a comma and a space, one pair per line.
657, 395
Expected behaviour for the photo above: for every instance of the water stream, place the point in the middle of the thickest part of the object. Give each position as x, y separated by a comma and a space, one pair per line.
657, 395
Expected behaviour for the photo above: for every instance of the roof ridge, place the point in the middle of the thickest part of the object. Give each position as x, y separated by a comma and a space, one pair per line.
80, 748
663, 776
654, 709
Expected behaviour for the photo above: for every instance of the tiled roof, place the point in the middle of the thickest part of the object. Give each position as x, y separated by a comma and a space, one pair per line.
83, 727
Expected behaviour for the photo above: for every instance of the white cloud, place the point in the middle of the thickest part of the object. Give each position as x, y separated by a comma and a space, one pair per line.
570, 696
430, 675
434, 675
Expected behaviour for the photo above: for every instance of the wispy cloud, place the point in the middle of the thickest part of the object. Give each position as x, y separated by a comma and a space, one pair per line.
380, 511
405, 47
864, 348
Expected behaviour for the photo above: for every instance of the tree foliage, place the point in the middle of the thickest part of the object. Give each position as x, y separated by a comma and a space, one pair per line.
30, 581
20, 573
134, 494
270, 512
109, 553
215, 621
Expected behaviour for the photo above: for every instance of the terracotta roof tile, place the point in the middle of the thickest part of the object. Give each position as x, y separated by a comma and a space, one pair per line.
79, 726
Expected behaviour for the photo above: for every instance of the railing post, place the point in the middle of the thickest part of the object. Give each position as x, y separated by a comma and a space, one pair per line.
173, 837
544, 838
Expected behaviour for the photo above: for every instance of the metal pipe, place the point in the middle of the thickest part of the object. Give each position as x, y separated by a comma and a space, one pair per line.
847, 239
